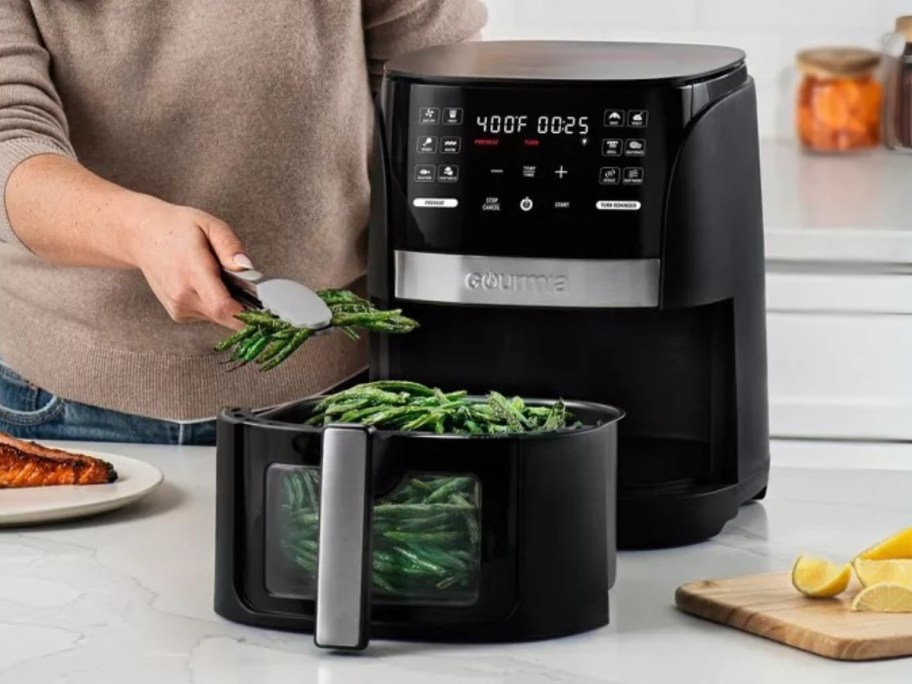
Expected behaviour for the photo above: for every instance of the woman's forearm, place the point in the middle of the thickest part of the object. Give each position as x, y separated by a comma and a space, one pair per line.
67, 215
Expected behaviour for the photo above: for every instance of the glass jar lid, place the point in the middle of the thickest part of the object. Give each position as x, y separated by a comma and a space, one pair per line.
904, 26
838, 62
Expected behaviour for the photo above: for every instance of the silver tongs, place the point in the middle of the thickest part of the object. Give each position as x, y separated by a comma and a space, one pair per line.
291, 301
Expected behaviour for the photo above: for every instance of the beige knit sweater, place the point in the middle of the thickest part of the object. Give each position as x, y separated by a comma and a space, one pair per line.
256, 112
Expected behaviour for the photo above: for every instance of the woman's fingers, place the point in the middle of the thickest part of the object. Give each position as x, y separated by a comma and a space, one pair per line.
225, 244
216, 303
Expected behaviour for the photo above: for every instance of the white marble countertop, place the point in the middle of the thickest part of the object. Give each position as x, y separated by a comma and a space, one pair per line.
127, 597
837, 208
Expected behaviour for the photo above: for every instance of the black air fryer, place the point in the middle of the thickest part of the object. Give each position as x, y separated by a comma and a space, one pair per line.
584, 220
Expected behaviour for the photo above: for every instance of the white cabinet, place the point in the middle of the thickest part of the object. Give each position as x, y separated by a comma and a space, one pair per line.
839, 294
840, 356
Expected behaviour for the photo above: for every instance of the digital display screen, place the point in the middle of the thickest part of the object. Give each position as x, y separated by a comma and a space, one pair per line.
540, 124
537, 171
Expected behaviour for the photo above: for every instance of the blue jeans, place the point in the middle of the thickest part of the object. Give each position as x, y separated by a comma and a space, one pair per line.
29, 412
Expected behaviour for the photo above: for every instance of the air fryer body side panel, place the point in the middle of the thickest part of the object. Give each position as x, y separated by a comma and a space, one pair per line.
714, 250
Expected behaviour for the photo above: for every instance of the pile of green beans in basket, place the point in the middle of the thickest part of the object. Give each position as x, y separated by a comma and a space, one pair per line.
412, 407
269, 341
425, 534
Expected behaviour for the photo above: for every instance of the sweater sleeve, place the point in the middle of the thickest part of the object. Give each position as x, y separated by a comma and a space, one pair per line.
32, 120
393, 27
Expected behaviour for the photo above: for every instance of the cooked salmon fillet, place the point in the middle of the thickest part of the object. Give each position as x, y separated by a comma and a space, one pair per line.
26, 464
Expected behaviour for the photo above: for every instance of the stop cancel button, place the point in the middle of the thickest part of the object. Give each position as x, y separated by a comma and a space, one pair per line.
618, 205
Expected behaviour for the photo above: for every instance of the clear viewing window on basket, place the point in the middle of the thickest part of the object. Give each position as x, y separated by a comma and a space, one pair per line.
426, 537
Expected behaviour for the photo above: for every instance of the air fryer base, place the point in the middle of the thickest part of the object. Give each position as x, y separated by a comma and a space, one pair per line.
511, 631
669, 521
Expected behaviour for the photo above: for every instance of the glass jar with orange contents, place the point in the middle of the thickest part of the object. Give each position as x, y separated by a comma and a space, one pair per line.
839, 100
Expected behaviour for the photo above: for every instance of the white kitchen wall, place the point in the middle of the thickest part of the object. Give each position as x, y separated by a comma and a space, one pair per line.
771, 31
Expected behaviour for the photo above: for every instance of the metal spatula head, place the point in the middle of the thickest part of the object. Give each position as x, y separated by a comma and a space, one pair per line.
293, 302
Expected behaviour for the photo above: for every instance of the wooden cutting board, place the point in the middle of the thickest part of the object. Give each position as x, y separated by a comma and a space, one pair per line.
768, 606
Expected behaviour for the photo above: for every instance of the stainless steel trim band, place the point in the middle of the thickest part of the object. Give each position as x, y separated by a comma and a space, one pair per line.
512, 281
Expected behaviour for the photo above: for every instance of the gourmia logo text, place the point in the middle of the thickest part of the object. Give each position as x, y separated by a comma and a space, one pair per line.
518, 282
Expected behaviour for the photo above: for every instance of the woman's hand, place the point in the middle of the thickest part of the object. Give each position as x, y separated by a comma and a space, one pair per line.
181, 252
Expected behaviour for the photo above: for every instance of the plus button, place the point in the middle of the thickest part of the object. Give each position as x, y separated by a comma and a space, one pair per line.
561, 172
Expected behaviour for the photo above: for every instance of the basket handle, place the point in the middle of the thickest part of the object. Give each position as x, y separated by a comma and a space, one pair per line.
344, 554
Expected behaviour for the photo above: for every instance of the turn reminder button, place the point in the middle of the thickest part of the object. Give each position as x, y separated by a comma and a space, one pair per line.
436, 203
618, 206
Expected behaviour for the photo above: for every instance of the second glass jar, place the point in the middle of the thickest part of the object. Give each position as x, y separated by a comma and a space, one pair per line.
839, 100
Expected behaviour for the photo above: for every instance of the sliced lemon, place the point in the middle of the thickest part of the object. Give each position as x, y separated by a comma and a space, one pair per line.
874, 572
820, 578
897, 546
884, 598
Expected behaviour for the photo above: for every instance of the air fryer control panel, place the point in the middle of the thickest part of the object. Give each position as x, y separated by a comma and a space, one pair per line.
538, 172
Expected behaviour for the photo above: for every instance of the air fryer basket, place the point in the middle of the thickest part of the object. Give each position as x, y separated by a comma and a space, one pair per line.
343, 529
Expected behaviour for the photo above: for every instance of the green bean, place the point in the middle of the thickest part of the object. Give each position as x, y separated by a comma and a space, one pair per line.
306, 562
249, 341
413, 388
237, 338
414, 489
383, 566
314, 500
384, 584
557, 418
452, 486
261, 318
410, 510
471, 521
450, 581
336, 296
438, 556
506, 411
289, 495
290, 348
361, 415
276, 344
443, 522
255, 349
307, 545
418, 562
305, 517
418, 537
384, 556
350, 333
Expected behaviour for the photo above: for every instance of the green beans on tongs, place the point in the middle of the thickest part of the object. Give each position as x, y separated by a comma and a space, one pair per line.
270, 341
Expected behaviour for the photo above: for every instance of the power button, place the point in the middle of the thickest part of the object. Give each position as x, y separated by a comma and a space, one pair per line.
526, 204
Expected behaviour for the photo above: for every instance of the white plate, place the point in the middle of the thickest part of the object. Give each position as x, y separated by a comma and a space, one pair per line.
30, 505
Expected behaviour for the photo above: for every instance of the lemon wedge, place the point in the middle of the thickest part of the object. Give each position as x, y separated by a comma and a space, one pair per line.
820, 578
896, 547
874, 572
884, 598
